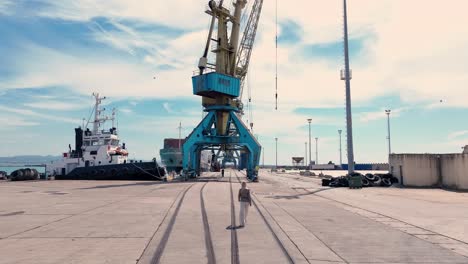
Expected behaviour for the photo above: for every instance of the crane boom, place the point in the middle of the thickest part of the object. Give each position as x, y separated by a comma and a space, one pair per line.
247, 42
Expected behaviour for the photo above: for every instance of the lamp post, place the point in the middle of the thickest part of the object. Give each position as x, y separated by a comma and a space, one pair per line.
305, 156
341, 161
388, 111
316, 151
276, 163
347, 78
310, 145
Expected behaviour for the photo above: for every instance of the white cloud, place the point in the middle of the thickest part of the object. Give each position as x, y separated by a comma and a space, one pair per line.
373, 116
171, 13
55, 105
12, 122
411, 54
5, 7
37, 116
167, 107
457, 134
126, 110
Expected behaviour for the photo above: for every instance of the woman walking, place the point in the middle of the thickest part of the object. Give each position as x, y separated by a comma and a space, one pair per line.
245, 201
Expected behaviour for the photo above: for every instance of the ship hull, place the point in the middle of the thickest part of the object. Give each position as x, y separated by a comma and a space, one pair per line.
138, 171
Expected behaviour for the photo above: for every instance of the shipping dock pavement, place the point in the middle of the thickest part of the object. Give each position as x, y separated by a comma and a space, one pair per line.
292, 220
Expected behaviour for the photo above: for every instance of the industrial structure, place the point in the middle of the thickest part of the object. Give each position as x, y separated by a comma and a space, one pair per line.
220, 84
298, 161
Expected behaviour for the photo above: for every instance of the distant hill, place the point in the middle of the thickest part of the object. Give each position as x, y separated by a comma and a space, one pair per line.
29, 159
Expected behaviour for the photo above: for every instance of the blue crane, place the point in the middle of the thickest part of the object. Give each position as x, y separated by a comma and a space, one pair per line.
220, 85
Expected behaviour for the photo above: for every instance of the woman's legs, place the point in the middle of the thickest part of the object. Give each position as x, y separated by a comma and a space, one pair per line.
242, 213
246, 208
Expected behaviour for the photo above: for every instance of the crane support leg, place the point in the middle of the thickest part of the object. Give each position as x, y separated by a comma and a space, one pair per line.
205, 136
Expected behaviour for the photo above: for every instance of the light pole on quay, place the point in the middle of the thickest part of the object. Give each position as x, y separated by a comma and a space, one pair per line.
341, 161
276, 163
305, 156
310, 145
316, 151
388, 111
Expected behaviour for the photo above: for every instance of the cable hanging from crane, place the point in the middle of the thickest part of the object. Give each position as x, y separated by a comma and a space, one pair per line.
276, 57
249, 103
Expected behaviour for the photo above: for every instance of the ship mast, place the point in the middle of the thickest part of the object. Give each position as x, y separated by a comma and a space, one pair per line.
98, 119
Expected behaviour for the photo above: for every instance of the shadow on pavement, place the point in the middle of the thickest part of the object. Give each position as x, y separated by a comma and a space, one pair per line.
298, 196
146, 183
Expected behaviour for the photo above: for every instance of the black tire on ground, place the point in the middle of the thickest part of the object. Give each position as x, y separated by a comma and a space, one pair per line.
386, 182
370, 177
35, 173
27, 173
343, 181
16, 175
377, 180
365, 182
326, 182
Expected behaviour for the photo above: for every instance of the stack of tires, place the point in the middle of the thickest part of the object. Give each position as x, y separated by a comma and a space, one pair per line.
336, 182
382, 180
24, 175
368, 180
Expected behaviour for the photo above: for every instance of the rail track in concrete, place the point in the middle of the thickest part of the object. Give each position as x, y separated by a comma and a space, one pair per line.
167, 232
160, 242
210, 253
234, 242
279, 243
171, 220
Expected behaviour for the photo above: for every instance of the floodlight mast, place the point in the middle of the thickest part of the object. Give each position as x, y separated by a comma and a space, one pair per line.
347, 75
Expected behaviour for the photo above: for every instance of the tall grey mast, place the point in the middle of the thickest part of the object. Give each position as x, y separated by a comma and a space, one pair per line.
98, 118
349, 121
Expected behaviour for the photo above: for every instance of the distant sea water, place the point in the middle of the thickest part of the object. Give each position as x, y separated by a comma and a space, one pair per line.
9, 169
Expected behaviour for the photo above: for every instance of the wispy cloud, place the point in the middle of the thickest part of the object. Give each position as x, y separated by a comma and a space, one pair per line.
376, 115
12, 122
55, 105
168, 108
5, 6
35, 115
457, 134
125, 110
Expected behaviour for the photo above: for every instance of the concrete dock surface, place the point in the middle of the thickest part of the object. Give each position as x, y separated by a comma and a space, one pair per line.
293, 219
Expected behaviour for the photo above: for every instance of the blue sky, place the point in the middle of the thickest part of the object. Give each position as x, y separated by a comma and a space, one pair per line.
55, 54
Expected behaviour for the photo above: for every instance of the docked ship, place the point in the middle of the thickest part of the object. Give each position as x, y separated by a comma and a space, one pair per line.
171, 154
99, 155
171, 157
